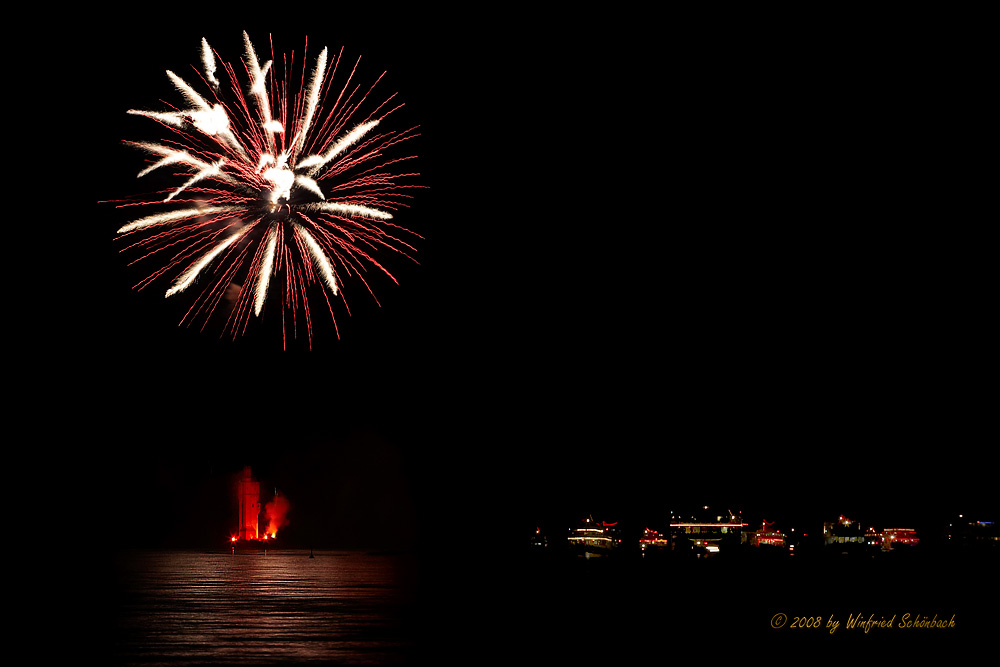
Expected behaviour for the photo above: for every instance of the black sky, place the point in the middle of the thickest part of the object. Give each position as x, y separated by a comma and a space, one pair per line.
734, 261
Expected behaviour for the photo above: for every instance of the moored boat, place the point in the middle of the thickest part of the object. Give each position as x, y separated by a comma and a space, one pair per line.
591, 539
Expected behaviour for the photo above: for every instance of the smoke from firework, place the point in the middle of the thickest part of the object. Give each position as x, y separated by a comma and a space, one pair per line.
276, 512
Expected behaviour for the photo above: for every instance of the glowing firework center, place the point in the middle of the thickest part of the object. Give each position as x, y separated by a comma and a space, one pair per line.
283, 180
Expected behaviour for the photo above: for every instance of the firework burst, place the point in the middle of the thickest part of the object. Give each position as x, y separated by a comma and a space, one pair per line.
279, 192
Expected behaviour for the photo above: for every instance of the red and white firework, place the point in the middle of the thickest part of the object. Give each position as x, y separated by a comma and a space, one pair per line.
280, 191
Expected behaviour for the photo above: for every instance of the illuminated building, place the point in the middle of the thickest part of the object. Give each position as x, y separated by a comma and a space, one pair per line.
843, 531
248, 499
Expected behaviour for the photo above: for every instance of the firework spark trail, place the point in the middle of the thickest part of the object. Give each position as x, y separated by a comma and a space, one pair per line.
266, 266
315, 162
259, 90
173, 216
189, 92
177, 156
208, 172
246, 168
188, 276
326, 271
348, 209
317, 81
171, 155
208, 61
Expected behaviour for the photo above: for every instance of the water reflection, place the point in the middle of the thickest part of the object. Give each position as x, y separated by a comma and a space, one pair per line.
282, 607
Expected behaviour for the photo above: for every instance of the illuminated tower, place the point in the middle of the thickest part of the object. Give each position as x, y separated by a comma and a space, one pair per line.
248, 498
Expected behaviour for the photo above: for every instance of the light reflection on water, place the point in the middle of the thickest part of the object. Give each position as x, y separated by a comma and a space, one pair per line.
276, 608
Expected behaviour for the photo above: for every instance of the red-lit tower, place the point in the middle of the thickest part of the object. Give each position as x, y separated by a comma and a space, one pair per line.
248, 498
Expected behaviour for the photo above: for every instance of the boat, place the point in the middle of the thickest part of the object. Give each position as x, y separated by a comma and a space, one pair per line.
592, 539
652, 544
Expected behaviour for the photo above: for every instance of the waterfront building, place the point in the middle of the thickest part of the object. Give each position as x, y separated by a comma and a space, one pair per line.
843, 531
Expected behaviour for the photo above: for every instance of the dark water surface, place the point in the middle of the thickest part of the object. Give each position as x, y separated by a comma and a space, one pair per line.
349, 608
281, 607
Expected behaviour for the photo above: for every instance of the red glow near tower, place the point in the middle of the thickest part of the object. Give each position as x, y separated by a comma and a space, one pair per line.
248, 499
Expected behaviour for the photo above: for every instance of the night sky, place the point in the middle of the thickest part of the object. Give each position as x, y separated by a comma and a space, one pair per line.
719, 260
